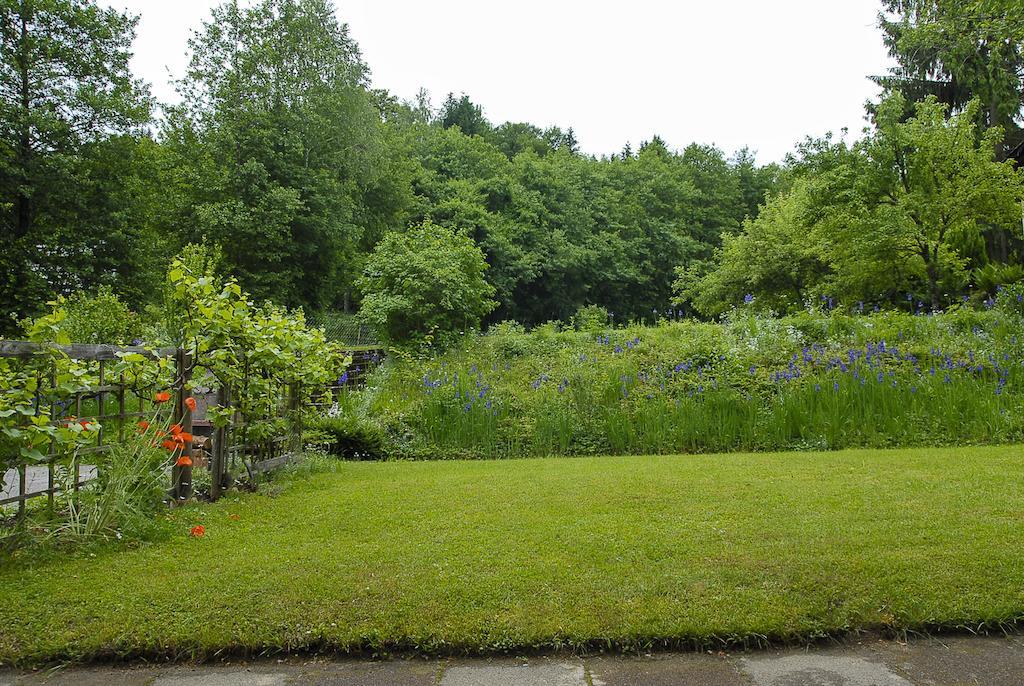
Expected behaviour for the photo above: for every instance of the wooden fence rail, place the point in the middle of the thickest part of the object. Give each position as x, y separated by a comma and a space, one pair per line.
89, 402
115, 405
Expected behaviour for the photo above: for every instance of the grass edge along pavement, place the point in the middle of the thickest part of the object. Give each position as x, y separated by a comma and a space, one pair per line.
583, 553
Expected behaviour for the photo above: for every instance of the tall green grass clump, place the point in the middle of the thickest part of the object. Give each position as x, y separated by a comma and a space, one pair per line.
811, 381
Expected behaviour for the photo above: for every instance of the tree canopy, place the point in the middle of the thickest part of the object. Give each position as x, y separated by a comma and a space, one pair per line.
282, 159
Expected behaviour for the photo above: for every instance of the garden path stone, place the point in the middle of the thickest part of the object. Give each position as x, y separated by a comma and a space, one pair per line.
665, 670
805, 669
533, 672
993, 661
943, 661
224, 678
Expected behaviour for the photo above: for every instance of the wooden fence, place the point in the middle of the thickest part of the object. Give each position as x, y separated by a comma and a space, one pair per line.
116, 406
108, 401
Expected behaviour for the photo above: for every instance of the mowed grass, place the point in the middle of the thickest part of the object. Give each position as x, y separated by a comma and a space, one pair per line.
621, 552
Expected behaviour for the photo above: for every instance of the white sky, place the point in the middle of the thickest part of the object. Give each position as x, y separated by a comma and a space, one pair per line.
731, 72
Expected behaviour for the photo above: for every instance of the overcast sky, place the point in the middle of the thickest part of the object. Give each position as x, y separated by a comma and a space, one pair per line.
728, 72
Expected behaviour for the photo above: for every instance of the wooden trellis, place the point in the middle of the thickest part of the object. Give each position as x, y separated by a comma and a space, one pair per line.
110, 402
116, 406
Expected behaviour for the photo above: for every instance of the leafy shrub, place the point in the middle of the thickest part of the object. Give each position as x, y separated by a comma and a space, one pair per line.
94, 318
350, 437
425, 282
591, 318
991, 278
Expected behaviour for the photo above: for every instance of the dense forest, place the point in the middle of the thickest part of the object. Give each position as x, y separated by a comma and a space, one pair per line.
283, 158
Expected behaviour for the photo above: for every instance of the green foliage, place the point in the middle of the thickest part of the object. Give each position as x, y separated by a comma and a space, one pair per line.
810, 380
71, 117
349, 436
777, 257
591, 318
279, 155
901, 213
99, 318
259, 352
427, 281
461, 112
992, 278
958, 50
1010, 299
121, 502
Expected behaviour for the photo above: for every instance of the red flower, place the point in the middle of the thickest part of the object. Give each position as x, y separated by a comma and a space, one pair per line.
198, 531
162, 397
85, 424
183, 461
190, 403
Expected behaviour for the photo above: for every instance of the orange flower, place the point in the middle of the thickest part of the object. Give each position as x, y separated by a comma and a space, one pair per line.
183, 437
144, 425
85, 424
170, 445
234, 517
162, 397
198, 531
183, 461
160, 432
190, 403
175, 429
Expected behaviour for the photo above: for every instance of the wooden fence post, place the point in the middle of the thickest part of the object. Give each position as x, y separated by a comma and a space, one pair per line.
182, 476
218, 463
295, 444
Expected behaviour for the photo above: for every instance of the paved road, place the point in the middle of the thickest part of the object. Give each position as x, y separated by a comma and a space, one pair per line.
924, 662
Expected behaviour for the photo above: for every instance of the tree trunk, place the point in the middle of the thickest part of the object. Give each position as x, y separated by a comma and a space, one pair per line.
24, 195
931, 268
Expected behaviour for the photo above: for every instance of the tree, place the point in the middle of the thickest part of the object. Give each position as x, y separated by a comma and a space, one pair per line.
931, 184
426, 281
958, 50
900, 212
463, 113
65, 91
284, 158
778, 256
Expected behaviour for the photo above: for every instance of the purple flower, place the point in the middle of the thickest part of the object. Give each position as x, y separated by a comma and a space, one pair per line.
748, 298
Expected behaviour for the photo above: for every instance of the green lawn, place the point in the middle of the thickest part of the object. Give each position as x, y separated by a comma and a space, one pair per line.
452, 556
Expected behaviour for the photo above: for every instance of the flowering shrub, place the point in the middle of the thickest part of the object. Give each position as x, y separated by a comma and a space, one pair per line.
38, 394
1010, 299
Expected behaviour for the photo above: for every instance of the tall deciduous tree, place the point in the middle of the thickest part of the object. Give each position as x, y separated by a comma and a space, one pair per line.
283, 150
901, 212
65, 90
932, 183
